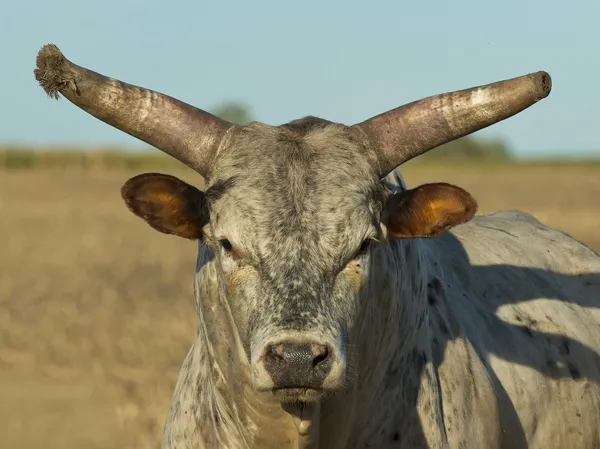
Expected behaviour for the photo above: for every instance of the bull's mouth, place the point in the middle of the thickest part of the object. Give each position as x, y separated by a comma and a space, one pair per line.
297, 394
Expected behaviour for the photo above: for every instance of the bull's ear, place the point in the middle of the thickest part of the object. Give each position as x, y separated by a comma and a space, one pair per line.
167, 204
428, 210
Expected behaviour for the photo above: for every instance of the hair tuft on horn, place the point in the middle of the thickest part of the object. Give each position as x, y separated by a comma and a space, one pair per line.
189, 134
49, 71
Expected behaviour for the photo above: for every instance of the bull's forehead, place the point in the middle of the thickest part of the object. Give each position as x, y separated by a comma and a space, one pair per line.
299, 187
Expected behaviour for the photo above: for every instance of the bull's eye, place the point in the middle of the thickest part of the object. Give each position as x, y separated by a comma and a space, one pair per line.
226, 244
364, 248
228, 248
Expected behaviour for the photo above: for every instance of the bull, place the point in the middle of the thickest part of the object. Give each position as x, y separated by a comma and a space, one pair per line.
338, 308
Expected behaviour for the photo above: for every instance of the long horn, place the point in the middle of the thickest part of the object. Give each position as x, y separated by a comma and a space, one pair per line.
189, 134
403, 133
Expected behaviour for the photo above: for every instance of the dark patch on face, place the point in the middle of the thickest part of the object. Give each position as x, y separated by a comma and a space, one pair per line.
396, 436
218, 189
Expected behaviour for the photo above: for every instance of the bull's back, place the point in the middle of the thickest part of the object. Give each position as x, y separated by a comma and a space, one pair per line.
528, 299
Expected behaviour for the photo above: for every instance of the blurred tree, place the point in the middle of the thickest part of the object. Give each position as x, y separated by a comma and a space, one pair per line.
234, 111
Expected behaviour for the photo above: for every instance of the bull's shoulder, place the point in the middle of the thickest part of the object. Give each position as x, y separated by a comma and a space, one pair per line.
511, 258
527, 298
518, 238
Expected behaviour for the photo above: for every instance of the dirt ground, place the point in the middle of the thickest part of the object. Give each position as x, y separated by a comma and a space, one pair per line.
96, 308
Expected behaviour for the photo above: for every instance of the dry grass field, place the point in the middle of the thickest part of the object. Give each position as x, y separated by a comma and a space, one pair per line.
96, 308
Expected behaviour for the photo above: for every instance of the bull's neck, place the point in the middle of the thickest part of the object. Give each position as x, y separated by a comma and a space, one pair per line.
389, 341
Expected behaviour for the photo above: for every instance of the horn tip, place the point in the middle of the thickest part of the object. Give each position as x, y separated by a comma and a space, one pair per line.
543, 84
50, 71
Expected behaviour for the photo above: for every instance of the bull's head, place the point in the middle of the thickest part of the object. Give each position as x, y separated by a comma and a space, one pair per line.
293, 214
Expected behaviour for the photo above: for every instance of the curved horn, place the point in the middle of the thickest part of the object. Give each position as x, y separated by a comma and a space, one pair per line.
410, 130
189, 134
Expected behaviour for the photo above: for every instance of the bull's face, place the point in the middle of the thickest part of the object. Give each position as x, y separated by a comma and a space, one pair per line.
292, 219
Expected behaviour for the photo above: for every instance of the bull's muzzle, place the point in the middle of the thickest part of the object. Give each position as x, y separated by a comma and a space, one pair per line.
299, 368
298, 365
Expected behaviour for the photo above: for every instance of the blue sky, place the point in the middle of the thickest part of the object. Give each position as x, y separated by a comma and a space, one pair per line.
342, 60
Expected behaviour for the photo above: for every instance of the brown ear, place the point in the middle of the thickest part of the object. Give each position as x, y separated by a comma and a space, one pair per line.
167, 204
428, 210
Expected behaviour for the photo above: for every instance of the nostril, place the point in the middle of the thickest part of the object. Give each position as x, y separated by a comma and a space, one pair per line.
276, 352
320, 353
